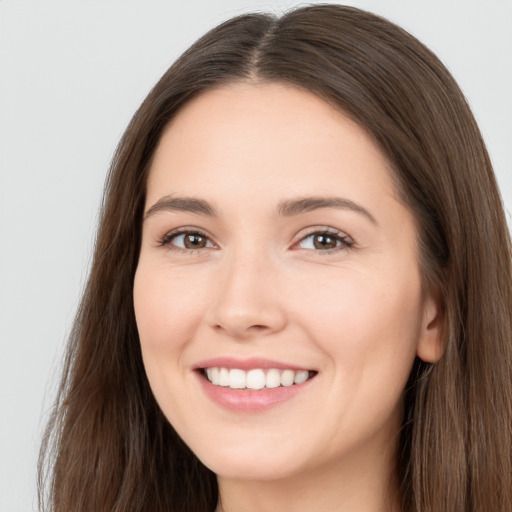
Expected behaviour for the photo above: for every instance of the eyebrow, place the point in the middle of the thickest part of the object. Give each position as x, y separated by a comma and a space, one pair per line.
288, 208
182, 204
307, 204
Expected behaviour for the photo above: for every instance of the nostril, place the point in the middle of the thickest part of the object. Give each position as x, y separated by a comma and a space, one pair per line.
246, 307
243, 330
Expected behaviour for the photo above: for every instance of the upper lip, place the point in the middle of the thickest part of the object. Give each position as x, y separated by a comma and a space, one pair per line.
247, 364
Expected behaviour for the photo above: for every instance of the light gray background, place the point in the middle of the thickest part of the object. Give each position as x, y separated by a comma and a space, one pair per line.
71, 75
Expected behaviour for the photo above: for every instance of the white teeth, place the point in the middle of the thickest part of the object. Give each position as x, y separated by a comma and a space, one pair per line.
301, 377
223, 377
256, 378
287, 378
273, 379
236, 379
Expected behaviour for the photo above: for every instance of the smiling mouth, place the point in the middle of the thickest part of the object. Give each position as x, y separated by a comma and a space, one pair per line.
255, 379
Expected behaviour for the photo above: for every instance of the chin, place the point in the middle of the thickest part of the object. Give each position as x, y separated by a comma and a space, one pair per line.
250, 463
255, 470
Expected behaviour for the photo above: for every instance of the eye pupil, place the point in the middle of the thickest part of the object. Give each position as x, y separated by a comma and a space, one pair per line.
193, 241
323, 241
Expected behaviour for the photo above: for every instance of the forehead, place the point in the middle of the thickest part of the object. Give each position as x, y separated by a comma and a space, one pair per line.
269, 139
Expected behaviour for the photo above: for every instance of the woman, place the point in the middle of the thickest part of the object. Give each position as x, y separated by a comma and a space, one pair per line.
301, 287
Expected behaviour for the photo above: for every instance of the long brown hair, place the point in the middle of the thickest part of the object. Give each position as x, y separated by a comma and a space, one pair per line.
108, 446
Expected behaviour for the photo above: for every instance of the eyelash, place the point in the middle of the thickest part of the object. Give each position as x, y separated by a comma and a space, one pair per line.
344, 240
166, 240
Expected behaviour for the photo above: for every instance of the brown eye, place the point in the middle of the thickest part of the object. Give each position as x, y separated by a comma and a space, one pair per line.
325, 241
186, 240
194, 241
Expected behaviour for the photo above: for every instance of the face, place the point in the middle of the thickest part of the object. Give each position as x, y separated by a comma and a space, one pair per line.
278, 294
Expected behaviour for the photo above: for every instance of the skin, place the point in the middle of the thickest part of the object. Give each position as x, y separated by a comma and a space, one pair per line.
260, 287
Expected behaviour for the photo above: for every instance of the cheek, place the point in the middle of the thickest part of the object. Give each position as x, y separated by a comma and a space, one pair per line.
368, 326
368, 332
168, 309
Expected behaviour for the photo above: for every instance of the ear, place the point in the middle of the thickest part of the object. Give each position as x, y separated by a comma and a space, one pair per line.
431, 344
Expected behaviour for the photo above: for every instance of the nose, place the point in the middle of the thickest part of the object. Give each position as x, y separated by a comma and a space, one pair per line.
248, 300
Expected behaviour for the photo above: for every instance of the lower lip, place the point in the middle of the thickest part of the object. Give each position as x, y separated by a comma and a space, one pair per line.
245, 400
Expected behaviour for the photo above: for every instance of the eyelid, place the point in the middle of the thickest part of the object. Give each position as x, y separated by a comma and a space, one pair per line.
166, 239
346, 240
